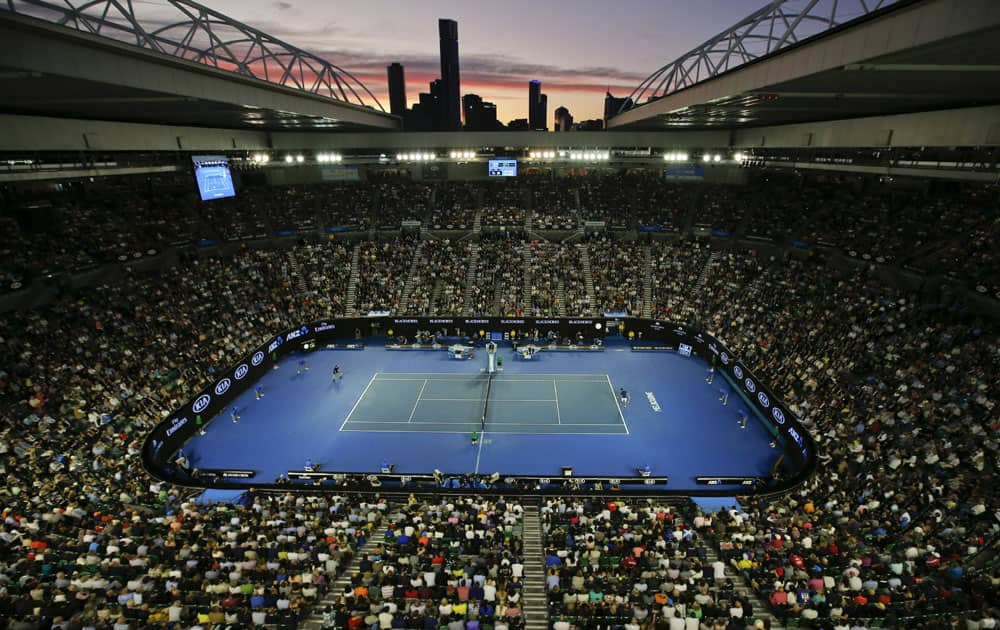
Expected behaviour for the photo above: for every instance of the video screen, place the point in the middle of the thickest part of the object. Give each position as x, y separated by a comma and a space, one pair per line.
214, 179
503, 167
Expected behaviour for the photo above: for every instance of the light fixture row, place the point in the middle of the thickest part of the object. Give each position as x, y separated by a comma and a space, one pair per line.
589, 156
415, 157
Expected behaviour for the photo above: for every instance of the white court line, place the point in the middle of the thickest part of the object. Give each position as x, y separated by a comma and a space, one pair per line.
418, 422
495, 399
358, 401
474, 379
617, 404
417, 401
497, 432
549, 424
496, 422
555, 388
591, 374
482, 438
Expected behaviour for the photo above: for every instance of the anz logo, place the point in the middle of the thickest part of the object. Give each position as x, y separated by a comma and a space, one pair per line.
201, 403
241, 371
764, 400
779, 415
222, 386
738, 371
257, 358
274, 344
751, 386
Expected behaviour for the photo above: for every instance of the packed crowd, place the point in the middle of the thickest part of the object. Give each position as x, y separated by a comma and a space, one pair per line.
86, 539
499, 284
441, 274
554, 205
383, 266
454, 206
898, 392
556, 278
899, 398
453, 563
400, 201
666, 207
621, 564
926, 226
617, 269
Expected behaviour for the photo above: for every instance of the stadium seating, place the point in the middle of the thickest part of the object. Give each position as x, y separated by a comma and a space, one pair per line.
897, 529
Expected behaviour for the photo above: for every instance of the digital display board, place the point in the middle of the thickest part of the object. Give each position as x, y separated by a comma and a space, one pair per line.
503, 167
213, 177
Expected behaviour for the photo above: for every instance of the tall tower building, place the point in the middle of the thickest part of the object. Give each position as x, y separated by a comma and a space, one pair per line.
538, 104
534, 92
397, 89
451, 105
563, 119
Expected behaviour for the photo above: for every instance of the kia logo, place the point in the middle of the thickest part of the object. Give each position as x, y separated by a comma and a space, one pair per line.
725, 358
738, 371
751, 387
222, 386
762, 397
258, 358
241, 371
200, 404
779, 415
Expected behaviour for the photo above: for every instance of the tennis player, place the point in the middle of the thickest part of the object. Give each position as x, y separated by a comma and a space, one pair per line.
624, 396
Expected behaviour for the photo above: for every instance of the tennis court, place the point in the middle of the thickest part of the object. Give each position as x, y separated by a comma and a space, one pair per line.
559, 404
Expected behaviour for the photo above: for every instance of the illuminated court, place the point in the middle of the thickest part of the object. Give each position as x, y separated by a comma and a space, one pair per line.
417, 409
555, 404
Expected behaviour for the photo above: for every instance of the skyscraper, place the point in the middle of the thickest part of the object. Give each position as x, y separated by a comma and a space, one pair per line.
451, 106
397, 89
612, 104
480, 115
534, 91
563, 119
537, 105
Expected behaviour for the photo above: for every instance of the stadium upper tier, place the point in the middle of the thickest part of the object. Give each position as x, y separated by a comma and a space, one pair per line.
496, 233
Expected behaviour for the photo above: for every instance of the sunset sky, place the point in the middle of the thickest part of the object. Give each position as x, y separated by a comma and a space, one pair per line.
576, 48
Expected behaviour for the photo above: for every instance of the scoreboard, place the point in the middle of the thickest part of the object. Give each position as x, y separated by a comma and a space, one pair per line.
503, 167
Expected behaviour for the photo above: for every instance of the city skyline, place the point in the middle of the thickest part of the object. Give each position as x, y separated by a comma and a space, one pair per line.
578, 51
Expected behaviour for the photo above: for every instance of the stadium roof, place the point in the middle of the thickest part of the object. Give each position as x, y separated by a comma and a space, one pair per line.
198, 68
920, 55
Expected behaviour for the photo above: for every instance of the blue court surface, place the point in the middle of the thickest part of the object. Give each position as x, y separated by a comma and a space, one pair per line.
554, 404
418, 408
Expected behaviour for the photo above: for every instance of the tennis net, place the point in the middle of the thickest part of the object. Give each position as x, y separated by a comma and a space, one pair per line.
486, 400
